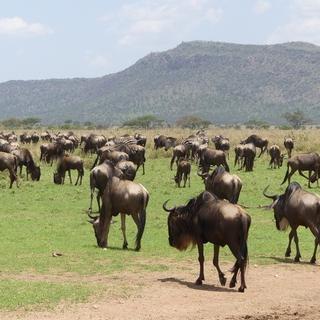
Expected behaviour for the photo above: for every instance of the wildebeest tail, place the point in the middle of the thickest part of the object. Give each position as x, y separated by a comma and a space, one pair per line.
286, 176
95, 161
235, 193
142, 217
246, 222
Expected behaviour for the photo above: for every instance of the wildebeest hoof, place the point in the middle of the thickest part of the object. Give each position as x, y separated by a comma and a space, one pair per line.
232, 284
313, 260
198, 282
137, 248
297, 259
241, 289
287, 254
223, 280
125, 246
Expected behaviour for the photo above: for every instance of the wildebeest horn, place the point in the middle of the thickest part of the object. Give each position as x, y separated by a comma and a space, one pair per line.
166, 209
202, 175
274, 197
94, 218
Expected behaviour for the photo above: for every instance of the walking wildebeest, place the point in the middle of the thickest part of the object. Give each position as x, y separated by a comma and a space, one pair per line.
178, 153
9, 161
125, 197
68, 163
223, 184
276, 156
208, 219
258, 142
248, 154
303, 162
297, 207
289, 145
211, 157
183, 171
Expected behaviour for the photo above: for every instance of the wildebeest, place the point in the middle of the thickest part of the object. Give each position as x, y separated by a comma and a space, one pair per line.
221, 143
94, 142
183, 171
178, 152
128, 169
208, 219
258, 142
25, 158
9, 161
297, 207
35, 138
68, 163
289, 145
238, 160
248, 155
223, 184
50, 152
303, 162
211, 157
125, 197
141, 139
25, 138
162, 141
276, 156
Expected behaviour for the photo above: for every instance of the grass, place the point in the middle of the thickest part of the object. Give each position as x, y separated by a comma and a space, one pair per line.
39, 218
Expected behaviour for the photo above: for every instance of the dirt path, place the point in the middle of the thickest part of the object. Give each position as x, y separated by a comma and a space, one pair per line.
274, 292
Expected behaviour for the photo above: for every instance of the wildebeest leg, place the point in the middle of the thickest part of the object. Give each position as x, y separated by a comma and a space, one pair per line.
69, 173
296, 241
140, 228
240, 263
201, 262
261, 150
313, 259
13, 178
189, 179
234, 270
288, 251
222, 278
20, 169
172, 161
143, 168
123, 229
291, 174
184, 180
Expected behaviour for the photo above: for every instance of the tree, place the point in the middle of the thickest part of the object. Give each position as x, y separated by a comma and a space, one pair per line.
296, 119
192, 122
146, 122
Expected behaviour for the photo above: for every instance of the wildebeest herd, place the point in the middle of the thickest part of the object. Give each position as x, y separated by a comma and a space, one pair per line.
213, 216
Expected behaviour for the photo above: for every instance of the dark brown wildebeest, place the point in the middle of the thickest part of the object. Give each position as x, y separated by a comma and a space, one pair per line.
248, 154
125, 197
303, 162
128, 169
238, 160
50, 152
25, 158
68, 163
183, 171
35, 138
94, 142
221, 143
208, 219
25, 138
211, 157
45, 136
9, 161
141, 139
289, 145
223, 184
162, 141
276, 156
297, 207
178, 152
258, 142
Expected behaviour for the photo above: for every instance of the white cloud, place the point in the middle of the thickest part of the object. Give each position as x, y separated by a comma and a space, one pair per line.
261, 7
145, 21
18, 26
303, 24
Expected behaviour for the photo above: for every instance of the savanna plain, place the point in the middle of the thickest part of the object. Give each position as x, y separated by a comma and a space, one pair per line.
86, 282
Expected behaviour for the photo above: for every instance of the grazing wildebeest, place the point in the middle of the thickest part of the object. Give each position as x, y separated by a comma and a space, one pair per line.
221, 143
125, 197
9, 161
289, 145
276, 156
211, 157
223, 184
208, 219
68, 163
183, 171
303, 162
178, 152
25, 158
162, 141
297, 207
258, 142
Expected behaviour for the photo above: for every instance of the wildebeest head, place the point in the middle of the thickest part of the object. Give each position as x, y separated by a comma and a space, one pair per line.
57, 178
94, 220
35, 174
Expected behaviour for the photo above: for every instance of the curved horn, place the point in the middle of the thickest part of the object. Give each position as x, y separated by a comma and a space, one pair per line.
94, 218
166, 209
274, 197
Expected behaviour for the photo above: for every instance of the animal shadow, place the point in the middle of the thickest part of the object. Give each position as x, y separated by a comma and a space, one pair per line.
290, 260
203, 287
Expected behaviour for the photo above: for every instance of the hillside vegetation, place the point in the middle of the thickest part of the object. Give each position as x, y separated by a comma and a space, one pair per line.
221, 82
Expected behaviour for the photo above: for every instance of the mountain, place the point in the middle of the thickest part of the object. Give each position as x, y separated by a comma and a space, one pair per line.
221, 82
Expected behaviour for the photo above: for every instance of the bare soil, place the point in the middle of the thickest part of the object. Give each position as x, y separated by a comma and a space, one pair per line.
287, 291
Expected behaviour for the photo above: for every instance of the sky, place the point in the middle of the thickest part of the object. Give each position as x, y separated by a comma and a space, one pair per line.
41, 39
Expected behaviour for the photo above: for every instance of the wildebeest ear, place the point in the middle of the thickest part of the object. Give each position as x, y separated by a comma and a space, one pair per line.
207, 196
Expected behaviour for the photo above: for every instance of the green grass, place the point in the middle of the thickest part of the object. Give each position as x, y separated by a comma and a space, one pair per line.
39, 218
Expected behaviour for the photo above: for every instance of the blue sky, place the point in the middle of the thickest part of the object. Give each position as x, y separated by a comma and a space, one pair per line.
42, 39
